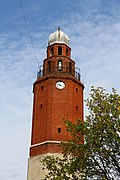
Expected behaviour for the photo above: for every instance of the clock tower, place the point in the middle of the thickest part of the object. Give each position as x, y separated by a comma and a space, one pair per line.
58, 95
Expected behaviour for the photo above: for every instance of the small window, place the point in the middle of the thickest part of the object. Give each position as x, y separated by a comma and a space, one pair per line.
59, 130
59, 50
49, 66
76, 108
41, 106
52, 51
42, 87
66, 52
76, 90
60, 65
70, 67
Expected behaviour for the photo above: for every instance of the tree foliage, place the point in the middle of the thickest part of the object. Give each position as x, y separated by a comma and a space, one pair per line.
93, 152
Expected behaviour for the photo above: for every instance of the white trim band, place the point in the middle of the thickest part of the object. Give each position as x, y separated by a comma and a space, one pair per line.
45, 142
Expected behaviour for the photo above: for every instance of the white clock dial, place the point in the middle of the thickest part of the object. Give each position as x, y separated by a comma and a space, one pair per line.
60, 85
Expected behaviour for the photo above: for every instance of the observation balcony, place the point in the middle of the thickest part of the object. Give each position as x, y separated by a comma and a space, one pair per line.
64, 71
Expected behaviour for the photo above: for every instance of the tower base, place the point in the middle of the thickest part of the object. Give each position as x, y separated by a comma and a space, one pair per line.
35, 166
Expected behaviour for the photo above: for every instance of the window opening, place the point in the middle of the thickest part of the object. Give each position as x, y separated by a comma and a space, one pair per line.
52, 51
76, 90
41, 106
66, 52
70, 67
49, 66
42, 87
76, 108
59, 130
59, 50
60, 65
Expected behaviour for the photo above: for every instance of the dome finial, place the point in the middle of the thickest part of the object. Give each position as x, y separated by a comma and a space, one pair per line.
58, 28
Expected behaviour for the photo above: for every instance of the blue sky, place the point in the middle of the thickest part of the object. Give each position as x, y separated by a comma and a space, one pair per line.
94, 30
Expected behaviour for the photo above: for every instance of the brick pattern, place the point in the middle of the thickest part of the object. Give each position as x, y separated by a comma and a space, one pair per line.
44, 149
52, 106
55, 49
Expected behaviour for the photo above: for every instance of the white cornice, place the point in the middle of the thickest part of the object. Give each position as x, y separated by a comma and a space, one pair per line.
46, 142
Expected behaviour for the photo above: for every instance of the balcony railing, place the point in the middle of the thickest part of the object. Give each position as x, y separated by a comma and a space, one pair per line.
66, 71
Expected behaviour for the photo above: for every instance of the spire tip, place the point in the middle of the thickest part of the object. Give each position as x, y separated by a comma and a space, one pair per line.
58, 28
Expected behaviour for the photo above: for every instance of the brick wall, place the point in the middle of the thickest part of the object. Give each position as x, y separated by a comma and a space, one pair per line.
52, 106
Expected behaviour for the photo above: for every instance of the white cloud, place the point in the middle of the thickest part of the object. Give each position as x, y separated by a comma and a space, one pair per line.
96, 48
95, 43
17, 74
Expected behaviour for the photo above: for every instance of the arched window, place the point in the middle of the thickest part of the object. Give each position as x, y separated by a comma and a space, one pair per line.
59, 130
76, 108
49, 67
59, 50
70, 67
76, 90
52, 51
41, 106
67, 52
60, 65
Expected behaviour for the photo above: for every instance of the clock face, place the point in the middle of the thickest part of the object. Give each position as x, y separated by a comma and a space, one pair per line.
60, 85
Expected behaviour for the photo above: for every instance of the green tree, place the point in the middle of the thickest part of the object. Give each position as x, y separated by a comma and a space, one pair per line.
94, 149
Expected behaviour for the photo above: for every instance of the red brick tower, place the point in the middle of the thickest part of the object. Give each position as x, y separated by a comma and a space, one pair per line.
58, 95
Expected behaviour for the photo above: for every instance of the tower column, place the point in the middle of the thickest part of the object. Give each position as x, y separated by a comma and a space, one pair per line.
58, 95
